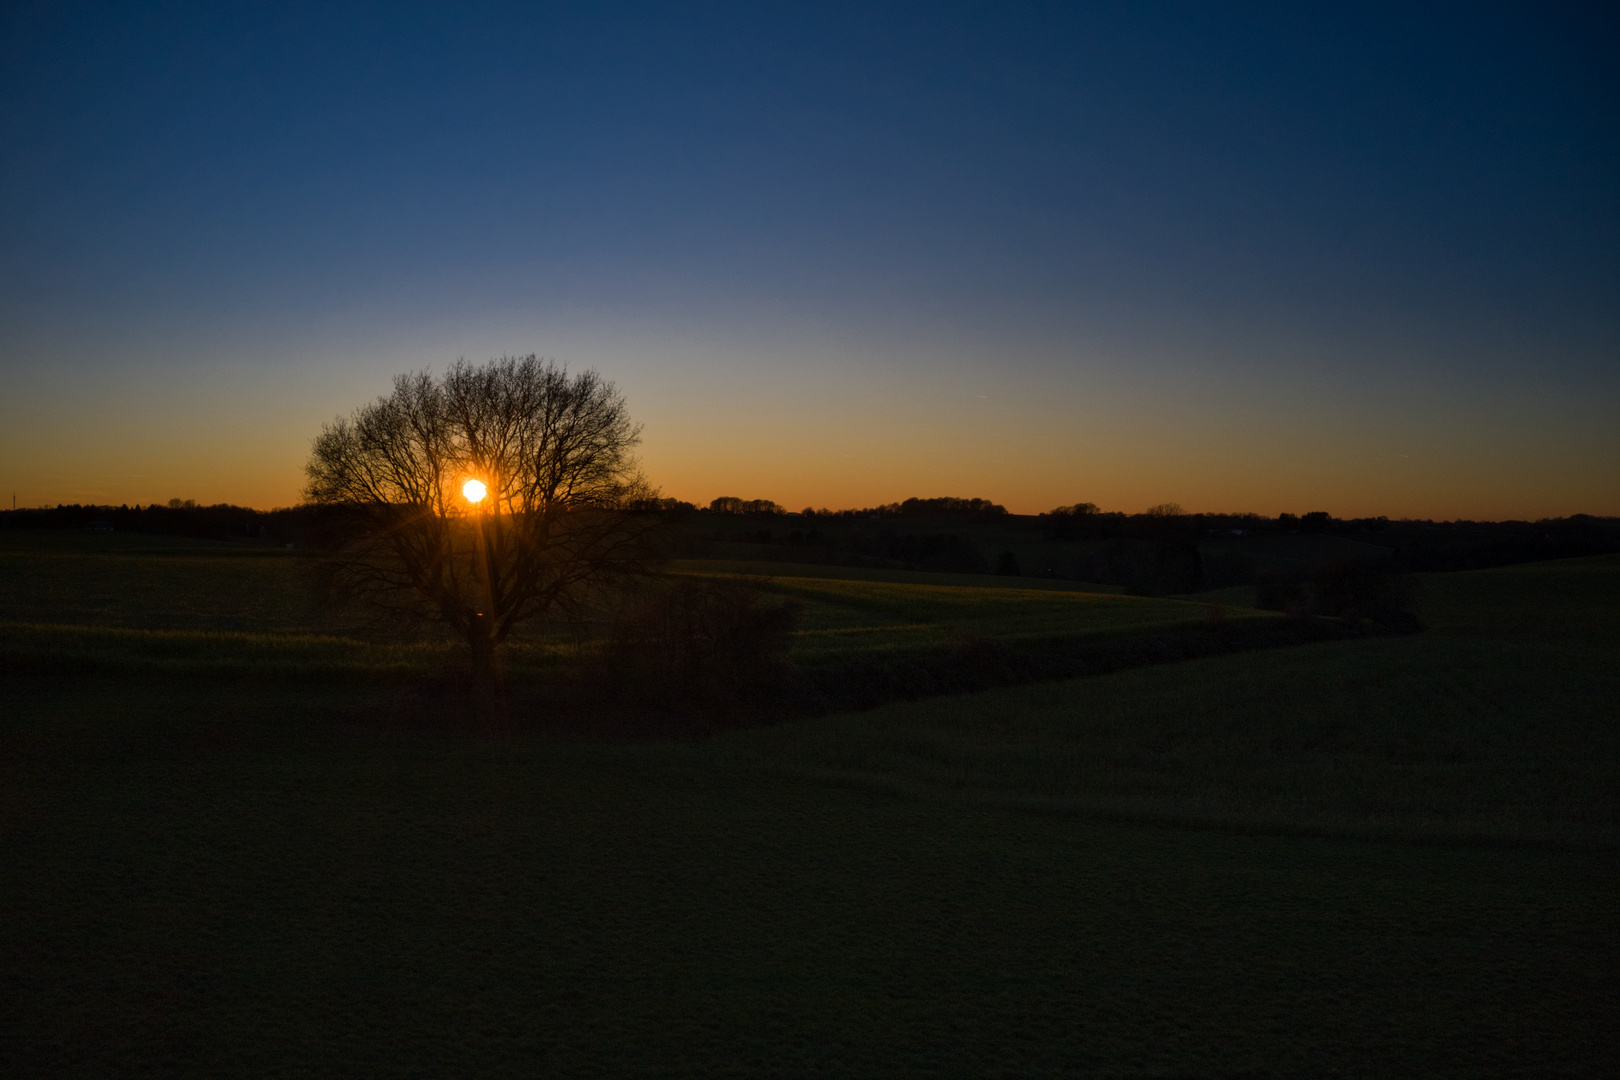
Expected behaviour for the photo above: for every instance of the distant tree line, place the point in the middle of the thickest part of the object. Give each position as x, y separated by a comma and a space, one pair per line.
1085, 521
869, 535
943, 507
177, 517
1161, 550
840, 541
1415, 545
1476, 545
730, 504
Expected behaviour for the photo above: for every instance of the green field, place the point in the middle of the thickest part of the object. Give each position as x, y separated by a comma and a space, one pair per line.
1388, 856
840, 616
1501, 724
757, 568
151, 582
129, 603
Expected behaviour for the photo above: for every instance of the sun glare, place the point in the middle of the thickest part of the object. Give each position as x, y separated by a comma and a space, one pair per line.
474, 490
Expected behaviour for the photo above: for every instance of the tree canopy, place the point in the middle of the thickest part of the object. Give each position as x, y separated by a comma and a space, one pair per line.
403, 530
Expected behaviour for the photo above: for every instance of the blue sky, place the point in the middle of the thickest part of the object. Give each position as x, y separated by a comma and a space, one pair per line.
1240, 257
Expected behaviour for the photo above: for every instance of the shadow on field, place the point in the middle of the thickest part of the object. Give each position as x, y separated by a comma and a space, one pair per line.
700, 655
712, 656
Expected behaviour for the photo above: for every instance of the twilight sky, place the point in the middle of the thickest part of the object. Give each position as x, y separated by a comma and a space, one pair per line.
1357, 258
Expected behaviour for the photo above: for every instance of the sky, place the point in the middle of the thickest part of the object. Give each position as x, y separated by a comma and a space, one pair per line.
1247, 258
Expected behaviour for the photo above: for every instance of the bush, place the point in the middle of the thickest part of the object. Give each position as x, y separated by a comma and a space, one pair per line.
1159, 569
709, 646
1351, 589
1222, 570
1362, 589
1275, 590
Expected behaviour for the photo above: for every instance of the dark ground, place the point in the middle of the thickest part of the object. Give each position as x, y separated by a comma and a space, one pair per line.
210, 878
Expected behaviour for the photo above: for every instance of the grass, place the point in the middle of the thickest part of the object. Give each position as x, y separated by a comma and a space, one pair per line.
880, 615
203, 885
160, 583
766, 568
121, 602
50, 648
1382, 857
1499, 725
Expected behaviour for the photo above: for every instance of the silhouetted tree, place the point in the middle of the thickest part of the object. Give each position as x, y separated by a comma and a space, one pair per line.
1177, 568
1068, 522
730, 504
972, 509
556, 521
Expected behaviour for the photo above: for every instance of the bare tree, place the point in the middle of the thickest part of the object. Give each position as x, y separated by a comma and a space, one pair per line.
490, 496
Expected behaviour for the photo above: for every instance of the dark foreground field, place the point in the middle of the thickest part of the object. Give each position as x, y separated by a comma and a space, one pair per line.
1392, 856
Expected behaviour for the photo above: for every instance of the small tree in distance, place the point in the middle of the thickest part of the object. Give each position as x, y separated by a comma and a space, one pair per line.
490, 496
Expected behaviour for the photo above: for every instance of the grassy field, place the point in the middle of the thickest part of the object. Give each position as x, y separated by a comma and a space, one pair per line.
757, 568
151, 582
1377, 857
99, 601
839, 616
1501, 724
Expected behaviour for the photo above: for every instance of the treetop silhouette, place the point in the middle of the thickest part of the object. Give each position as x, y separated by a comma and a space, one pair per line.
556, 520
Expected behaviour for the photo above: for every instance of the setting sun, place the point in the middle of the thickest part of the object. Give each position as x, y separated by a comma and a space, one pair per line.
474, 490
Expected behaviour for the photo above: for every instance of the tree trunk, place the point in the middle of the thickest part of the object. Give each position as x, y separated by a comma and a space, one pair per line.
486, 694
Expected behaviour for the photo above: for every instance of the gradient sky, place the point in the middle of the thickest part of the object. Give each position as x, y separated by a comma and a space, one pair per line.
1357, 258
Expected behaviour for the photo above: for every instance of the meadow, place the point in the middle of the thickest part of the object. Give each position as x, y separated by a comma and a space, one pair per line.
133, 603
229, 853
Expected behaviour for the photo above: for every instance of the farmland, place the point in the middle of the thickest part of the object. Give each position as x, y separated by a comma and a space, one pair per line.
1498, 724
130, 602
1379, 856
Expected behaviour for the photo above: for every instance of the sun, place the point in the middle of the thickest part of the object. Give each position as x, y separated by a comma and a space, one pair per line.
474, 490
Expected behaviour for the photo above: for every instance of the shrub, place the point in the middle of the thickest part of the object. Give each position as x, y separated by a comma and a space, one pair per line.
1276, 590
1362, 589
709, 646
1351, 589
1225, 569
